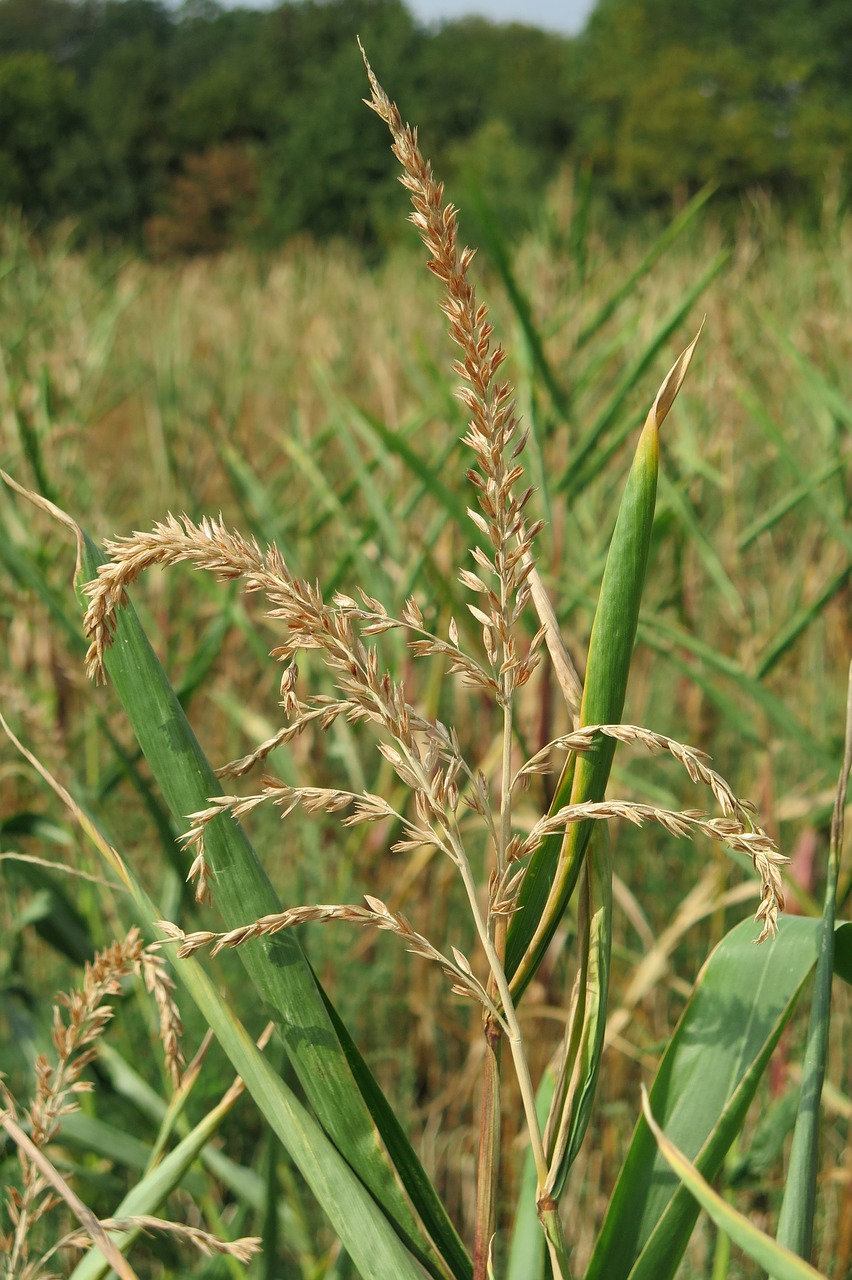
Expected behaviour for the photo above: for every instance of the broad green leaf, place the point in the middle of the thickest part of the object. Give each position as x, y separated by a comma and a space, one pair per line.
335, 1079
796, 1219
778, 1262
742, 1000
607, 669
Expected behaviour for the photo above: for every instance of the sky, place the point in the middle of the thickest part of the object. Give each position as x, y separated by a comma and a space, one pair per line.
554, 15
566, 16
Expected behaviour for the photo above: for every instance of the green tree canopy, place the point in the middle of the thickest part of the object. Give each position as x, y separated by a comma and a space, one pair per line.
38, 114
675, 93
129, 113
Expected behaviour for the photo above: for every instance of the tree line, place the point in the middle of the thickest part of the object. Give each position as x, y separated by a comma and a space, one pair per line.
185, 129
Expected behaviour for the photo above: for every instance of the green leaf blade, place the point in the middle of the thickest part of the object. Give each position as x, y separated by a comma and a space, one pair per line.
742, 1000
778, 1262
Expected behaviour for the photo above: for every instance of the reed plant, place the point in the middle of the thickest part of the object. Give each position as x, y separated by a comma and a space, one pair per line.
529, 854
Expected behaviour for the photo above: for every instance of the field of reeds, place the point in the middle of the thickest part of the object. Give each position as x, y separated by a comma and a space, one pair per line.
309, 399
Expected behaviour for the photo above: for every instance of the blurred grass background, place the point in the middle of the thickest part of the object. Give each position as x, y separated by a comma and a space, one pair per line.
305, 395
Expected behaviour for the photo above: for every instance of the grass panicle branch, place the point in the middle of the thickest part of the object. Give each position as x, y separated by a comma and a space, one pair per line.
683, 822
736, 828
694, 761
210, 1246
375, 914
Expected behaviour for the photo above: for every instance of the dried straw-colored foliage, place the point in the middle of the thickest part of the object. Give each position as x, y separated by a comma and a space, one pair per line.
80, 1019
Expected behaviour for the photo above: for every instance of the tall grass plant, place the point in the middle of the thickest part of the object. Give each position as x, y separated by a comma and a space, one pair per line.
464, 842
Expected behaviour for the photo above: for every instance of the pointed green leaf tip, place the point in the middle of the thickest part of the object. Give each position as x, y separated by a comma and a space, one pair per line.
610, 651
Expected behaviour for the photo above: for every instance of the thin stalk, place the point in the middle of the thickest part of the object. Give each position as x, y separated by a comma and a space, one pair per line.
491, 1112
509, 1021
488, 1166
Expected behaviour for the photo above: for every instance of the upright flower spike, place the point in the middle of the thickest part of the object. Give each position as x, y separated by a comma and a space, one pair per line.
493, 432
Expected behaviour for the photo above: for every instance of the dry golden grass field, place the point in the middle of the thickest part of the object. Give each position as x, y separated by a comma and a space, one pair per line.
309, 399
